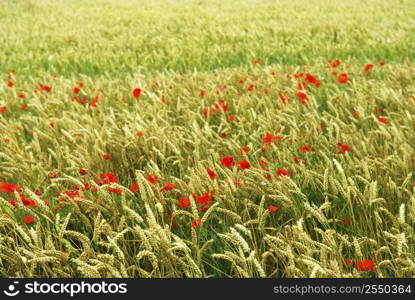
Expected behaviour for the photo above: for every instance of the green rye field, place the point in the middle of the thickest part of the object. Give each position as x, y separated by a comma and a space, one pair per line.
195, 138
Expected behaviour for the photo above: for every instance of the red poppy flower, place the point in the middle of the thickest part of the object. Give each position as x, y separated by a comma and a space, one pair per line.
368, 67
221, 89
12, 202
222, 103
245, 149
115, 191
3, 109
167, 186
343, 78
137, 93
106, 156
282, 172
108, 178
28, 219
21, 95
204, 208
23, 107
82, 171
27, 201
8, 187
228, 161
269, 138
134, 187
152, 178
296, 160
304, 149
282, 98
80, 100
343, 148
45, 88
196, 223
346, 221
52, 175
211, 173
139, 133
202, 93
366, 265
184, 202
244, 164
206, 198
272, 208
382, 63
231, 118
383, 120
94, 102
263, 162
10, 84
71, 194
312, 80
76, 90
250, 88
302, 97
335, 64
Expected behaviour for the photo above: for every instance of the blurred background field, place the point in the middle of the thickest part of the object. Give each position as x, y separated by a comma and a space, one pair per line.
108, 37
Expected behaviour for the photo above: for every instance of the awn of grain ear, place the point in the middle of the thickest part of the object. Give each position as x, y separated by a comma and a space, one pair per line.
88, 270
240, 240
257, 265
402, 213
151, 257
209, 211
357, 248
